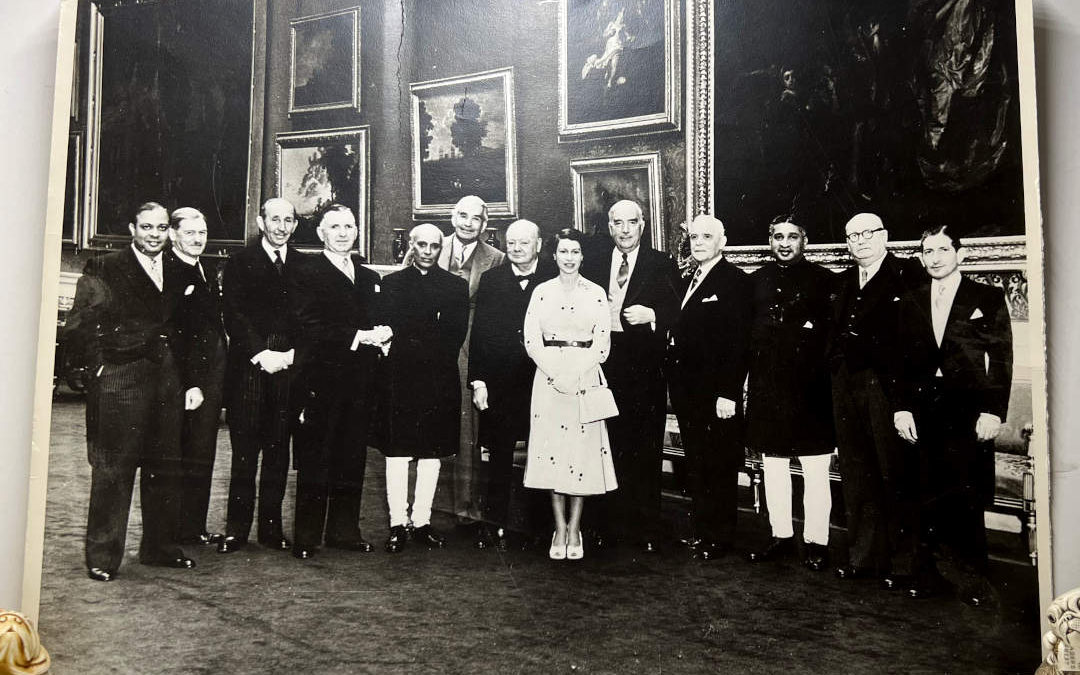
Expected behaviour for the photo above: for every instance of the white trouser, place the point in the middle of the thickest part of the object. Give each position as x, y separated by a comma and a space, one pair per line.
817, 497
397, 490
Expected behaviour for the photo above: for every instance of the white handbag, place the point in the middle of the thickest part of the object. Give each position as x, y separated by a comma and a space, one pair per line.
597, 403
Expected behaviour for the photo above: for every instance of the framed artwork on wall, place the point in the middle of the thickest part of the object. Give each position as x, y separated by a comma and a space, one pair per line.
619, 68
324, 63
319, 168
599, 183
463, 142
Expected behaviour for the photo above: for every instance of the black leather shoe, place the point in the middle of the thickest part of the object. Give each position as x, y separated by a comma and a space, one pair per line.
492, 538
711, 551
428, 537
100, 574
359, 544
850, 573
395, 543
204, 539
303, 553
177, 563
776, 549
231, 544
897, 582
817, 557
277, 543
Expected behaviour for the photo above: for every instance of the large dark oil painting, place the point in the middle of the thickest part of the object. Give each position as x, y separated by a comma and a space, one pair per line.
174, 111
908, 108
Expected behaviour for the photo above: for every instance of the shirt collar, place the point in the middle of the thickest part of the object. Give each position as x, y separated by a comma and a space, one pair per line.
706, 266
466, 249
532, 269
146, 259
184, 257
270, 249
338, 259
873, 268
951, 283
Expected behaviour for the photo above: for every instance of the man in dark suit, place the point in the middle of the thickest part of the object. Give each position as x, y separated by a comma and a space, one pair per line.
501, 373
465, 255
261, 343
949, 394
427, 308
123, 321
333, 298
200, 326
640, 282
874, 468
708, 357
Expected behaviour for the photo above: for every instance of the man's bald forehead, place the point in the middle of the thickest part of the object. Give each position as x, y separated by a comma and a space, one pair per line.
277, 202
864, 221
470, 200
521, 228
426, 231
624, 205
704, 221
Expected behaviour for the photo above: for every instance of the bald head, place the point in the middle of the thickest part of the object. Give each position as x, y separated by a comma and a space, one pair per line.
469, 218
707, 239
425, 240
866, 238
626, 223
523, 244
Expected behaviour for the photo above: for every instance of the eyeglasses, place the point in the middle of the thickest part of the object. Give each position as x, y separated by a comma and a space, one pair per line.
865, 234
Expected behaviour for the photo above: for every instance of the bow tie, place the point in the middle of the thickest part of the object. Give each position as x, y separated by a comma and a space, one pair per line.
524, 277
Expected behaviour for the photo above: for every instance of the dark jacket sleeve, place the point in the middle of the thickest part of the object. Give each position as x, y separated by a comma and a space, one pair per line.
484, 319
734, 356
237, 293
84, 320
999, 350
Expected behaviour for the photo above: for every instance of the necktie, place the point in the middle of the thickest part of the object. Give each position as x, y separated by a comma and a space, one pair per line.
863, 277
940, 313
155, 273
457, 255
279, 264
624, 272
694, 281
347, 268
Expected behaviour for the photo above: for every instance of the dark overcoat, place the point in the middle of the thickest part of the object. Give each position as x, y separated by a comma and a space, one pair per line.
420, 403
789, 407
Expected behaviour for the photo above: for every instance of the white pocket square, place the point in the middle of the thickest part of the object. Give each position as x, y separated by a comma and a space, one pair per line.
189, 290
977, 314
711, 298
808, 324
896, 299
378, 288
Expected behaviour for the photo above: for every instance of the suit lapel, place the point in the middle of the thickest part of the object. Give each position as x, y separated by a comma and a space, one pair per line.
963, 306
636, 283
142, 286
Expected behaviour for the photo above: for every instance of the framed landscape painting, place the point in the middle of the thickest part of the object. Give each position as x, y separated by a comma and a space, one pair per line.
319, 168
324, 65
463, 143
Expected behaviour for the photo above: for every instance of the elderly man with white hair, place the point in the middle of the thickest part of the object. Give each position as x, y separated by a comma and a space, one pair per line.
501, 372
427, 308
708, 360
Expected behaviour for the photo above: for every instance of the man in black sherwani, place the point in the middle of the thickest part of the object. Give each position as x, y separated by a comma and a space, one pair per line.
200, 325
123, 321
427, 308
501, 373
789, 402
262, 338
333, 299
640, 283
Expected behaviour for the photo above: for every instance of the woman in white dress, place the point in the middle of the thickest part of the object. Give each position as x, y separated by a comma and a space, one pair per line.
567, 333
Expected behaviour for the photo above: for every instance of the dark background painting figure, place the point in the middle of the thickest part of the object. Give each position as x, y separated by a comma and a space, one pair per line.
170, 126
909, 109
324, 62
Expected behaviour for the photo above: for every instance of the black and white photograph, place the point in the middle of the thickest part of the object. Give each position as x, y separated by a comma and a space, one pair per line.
325, 61
318, 168
464, 142
600, 183
750, 375
619, 67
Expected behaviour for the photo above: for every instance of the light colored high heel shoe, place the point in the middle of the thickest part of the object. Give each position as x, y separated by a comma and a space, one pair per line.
575, 552
556, 552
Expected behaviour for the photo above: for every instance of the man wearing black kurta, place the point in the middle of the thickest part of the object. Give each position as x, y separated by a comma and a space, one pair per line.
427, 308
789, 409
332, 297
123, 319
501, 372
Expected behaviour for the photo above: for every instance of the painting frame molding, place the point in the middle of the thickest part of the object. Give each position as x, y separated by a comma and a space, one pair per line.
669, 120
88, 234
650, 161
361, 136
507, 208
354, 101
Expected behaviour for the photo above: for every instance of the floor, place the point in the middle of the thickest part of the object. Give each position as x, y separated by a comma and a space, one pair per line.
460, 610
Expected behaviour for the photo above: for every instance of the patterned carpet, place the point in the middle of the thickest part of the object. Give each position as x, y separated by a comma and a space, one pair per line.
460, 610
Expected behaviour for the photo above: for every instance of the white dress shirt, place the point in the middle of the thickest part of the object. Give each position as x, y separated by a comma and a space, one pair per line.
616, 295
152, 266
